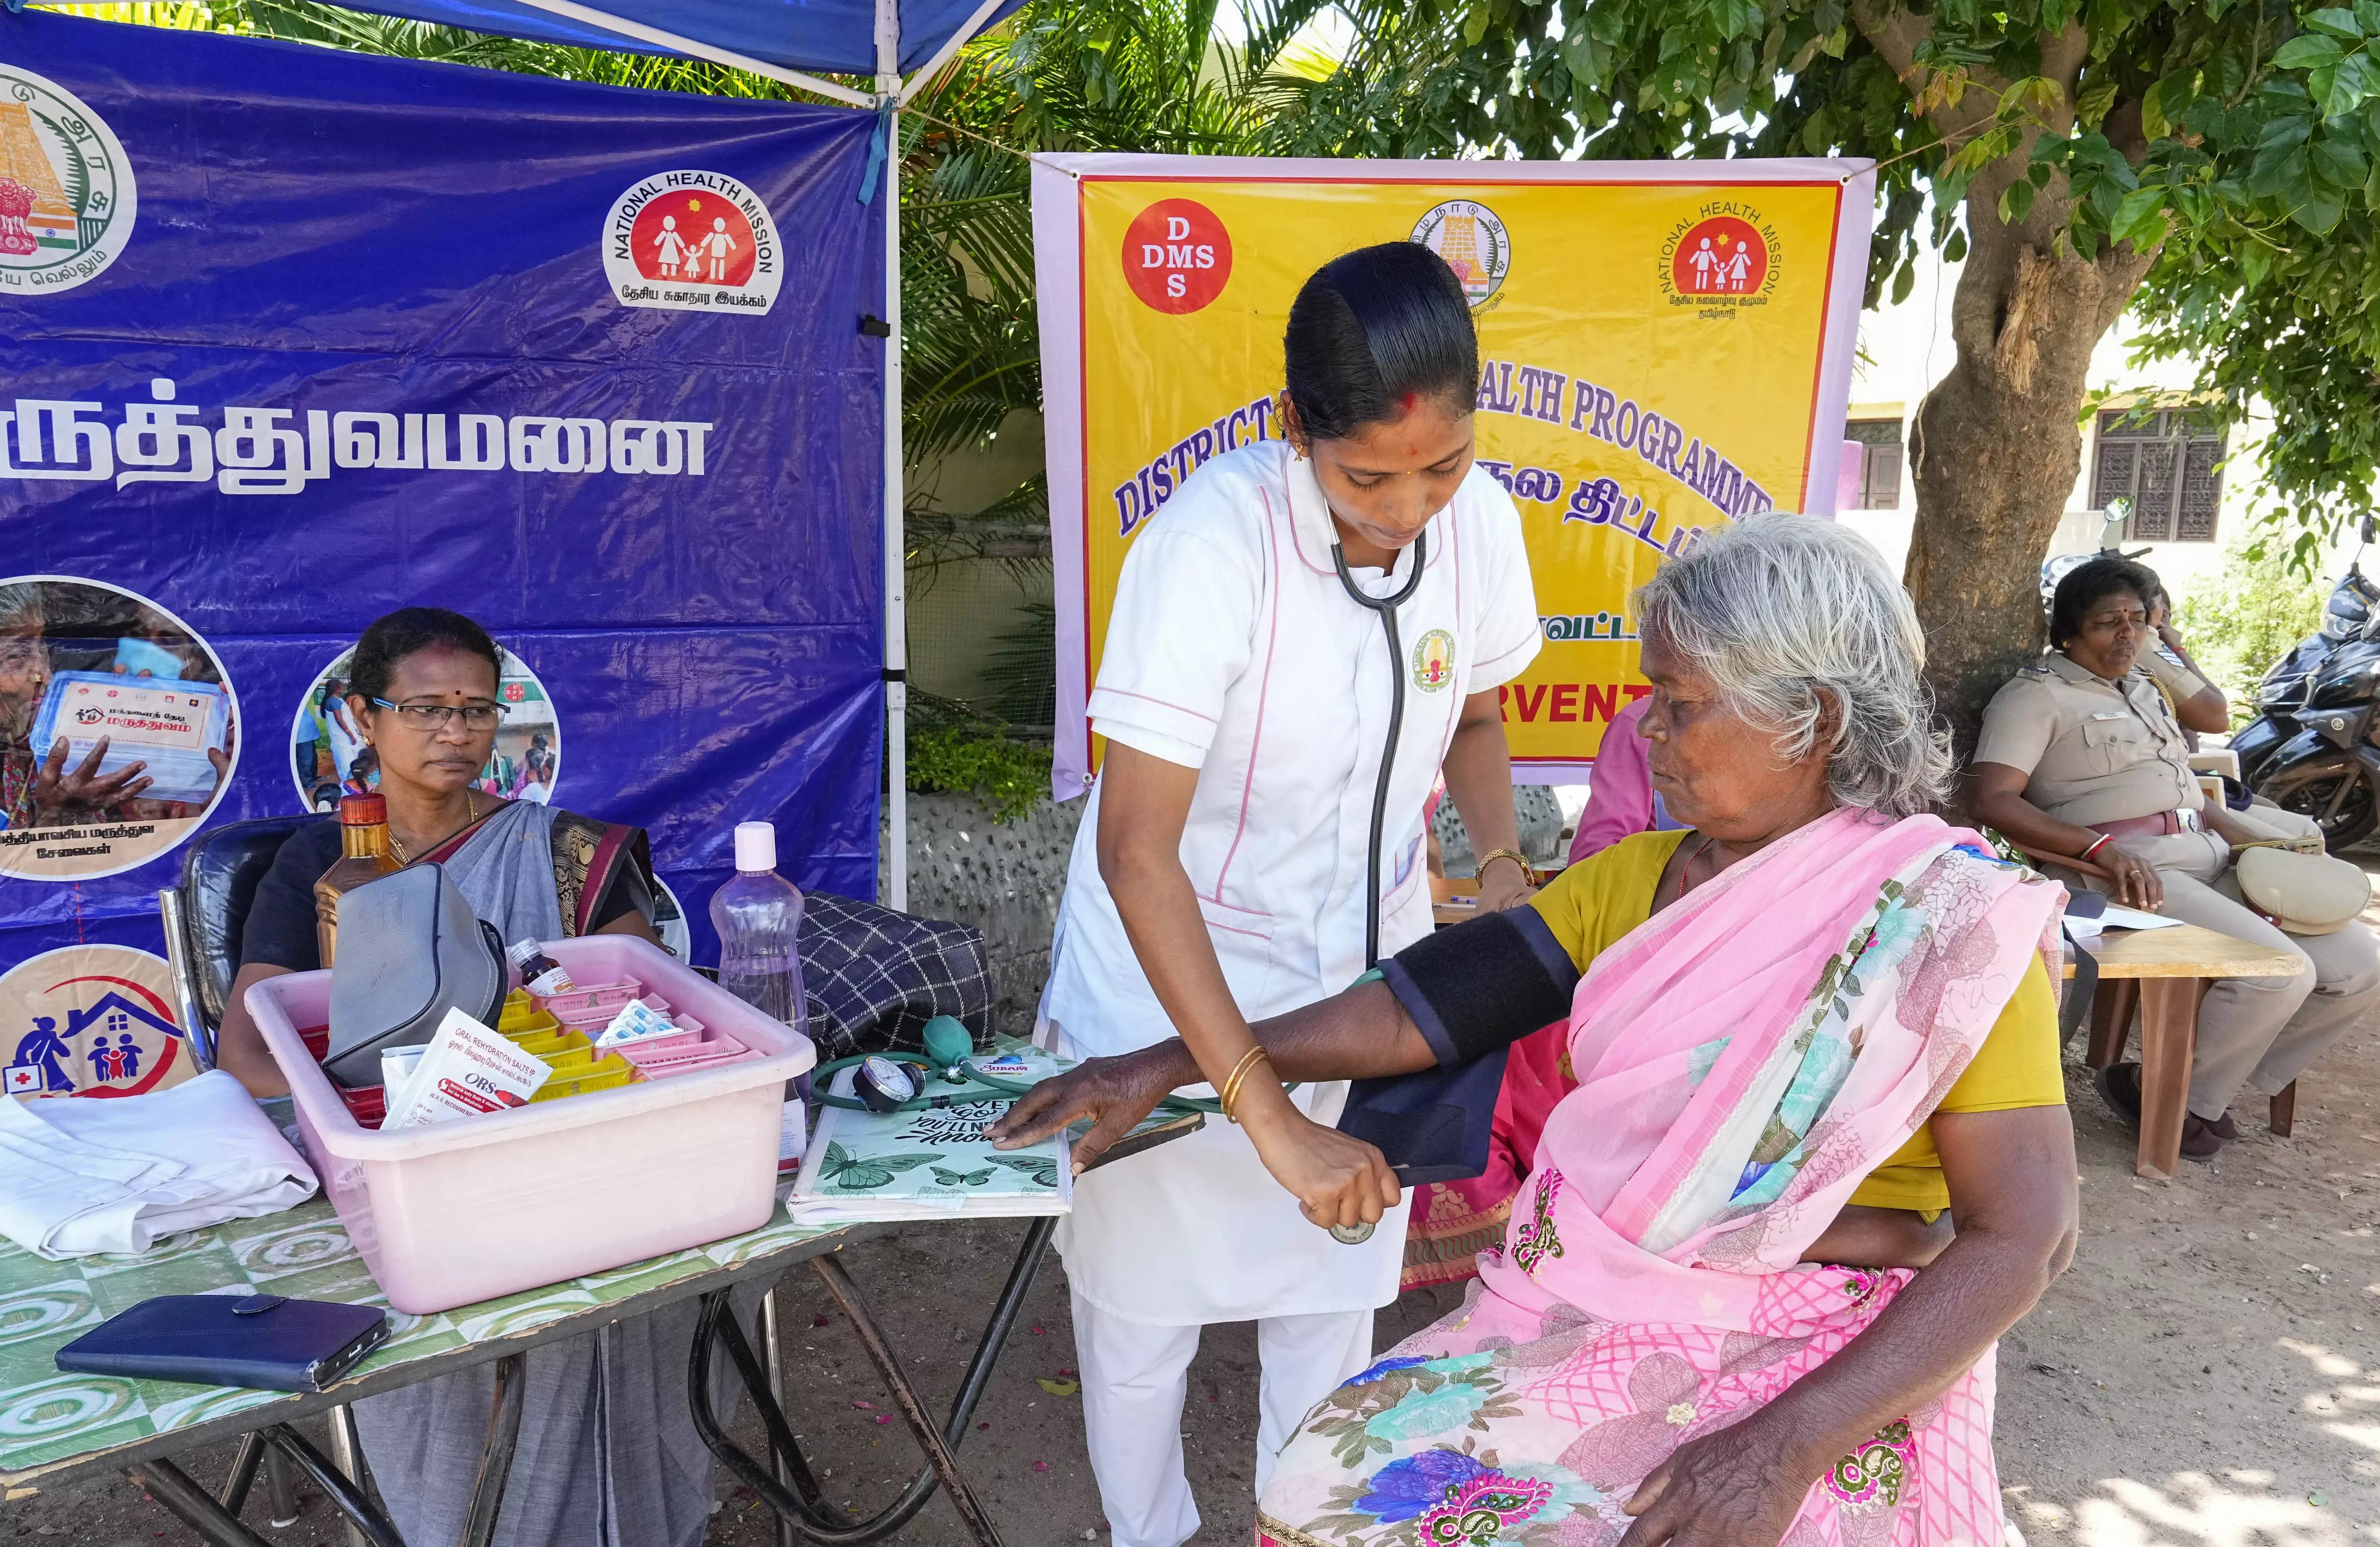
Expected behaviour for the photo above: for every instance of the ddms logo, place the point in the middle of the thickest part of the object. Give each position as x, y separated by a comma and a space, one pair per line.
1722, 257
1177, 257
693, 241
66, 194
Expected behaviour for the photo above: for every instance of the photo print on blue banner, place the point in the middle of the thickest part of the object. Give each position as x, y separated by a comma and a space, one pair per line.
330, 756
118, 729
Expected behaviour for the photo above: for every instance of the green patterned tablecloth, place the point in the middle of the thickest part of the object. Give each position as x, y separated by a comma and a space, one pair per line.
47, 1418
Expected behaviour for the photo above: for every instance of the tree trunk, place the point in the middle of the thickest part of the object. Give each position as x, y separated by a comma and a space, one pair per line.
1996, 447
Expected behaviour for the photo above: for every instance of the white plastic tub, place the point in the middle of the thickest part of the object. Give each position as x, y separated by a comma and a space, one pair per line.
466, 1210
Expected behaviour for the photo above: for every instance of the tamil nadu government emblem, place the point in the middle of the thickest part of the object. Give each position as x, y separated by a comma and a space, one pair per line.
66, 194
1433, 661
1472, 240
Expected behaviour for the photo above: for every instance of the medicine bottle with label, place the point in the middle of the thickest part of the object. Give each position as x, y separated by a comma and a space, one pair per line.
540, 974
363, 856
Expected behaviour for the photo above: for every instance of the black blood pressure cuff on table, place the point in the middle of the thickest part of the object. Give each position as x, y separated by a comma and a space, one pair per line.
1473, 991
1483, 986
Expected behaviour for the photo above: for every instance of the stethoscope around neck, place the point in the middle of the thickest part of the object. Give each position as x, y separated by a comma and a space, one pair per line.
1386, 607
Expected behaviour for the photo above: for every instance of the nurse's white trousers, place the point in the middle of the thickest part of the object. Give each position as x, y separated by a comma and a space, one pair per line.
1136, 1377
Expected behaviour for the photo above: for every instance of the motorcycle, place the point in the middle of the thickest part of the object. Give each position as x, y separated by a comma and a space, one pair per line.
2313, 747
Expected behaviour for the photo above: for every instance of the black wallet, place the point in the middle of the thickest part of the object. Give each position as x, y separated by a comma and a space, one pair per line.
262, 1341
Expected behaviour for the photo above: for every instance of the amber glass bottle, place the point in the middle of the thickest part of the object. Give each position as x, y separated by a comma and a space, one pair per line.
364, 855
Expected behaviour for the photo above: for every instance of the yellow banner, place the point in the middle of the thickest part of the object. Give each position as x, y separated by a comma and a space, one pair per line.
1665, 346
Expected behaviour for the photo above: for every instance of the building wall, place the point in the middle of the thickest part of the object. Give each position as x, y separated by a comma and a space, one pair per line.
1905, 350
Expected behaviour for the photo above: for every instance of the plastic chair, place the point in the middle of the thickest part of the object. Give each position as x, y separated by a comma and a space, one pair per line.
205, 916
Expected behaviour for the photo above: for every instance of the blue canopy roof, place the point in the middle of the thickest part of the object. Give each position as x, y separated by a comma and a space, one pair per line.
831, 36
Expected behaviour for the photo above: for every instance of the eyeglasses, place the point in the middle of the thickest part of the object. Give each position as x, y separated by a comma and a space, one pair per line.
432, 718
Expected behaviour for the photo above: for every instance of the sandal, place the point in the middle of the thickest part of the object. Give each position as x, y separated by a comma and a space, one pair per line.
2120, 1086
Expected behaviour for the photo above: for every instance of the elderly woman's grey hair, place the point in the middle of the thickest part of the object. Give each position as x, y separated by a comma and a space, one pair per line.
20, 604
1793, 614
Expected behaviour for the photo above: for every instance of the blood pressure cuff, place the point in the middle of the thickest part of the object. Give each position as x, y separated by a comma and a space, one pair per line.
1483, 986
1473, 991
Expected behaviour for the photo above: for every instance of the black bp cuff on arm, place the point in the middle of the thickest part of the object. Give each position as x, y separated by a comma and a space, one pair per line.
1483, 984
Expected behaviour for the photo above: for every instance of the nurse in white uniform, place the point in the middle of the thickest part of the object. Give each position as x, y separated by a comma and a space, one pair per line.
1220, 872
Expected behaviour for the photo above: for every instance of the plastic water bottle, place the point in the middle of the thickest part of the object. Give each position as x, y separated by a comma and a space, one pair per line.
757, 914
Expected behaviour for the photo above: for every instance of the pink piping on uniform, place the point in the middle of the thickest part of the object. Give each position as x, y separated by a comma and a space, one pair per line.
1264, 688
1454, 547
1293, 539
1227, 929
1162, 703
1332, 569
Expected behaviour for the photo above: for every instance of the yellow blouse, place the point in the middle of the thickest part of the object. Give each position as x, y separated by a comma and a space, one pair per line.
1602, 898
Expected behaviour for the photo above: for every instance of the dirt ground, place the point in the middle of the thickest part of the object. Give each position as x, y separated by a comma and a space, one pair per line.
2208, 1375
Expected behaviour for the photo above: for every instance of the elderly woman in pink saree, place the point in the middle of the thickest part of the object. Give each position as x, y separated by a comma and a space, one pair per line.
1699, 1329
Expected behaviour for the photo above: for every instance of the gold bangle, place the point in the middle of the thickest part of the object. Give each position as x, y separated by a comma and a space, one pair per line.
1528, 871
1230, 1094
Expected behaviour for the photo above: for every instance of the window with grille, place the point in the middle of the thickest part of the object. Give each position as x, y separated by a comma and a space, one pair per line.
1880, 466
2168, 461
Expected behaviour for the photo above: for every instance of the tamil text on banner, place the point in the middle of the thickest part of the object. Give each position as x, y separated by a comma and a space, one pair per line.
1665, 346
396, 333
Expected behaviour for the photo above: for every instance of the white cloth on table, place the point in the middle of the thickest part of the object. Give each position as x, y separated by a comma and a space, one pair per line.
85, 1174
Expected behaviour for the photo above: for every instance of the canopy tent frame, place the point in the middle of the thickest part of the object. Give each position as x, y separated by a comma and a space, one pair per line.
891, 93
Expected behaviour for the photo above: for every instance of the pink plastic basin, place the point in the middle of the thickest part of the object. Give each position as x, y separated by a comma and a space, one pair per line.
466, 1211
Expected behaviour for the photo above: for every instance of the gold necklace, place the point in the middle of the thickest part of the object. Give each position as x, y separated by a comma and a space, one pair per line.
472, 811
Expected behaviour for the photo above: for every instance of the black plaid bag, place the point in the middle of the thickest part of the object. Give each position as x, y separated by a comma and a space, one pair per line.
875, 977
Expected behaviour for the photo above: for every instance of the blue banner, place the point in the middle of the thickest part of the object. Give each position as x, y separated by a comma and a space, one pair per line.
291, 337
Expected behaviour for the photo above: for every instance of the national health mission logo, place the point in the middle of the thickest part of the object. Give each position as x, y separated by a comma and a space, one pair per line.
1473, 243
1721, 259
68, 199
693, 241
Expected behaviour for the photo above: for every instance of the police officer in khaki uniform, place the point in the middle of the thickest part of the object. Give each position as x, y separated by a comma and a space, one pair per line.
2082, 755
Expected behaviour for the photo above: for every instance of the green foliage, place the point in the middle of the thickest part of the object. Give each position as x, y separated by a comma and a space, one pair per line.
2242, 619
1021, 671
955, 752
2237, 141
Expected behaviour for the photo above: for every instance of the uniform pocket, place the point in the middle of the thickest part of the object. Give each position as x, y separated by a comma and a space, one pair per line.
2113, 746
1235, 921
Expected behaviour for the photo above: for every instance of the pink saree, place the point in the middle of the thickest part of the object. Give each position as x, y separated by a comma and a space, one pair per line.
1745, 1058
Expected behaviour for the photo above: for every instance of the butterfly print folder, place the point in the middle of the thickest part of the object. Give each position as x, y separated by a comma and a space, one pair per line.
932, 1164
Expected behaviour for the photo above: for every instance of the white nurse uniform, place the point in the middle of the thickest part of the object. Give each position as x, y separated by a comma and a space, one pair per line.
1234, 649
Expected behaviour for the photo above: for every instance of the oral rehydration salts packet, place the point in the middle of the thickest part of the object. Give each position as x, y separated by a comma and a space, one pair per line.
467, 1071
636, 1022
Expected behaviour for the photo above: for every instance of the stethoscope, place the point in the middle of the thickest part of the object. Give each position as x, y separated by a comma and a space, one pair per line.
1386, 607
903, 1082
1356, 1234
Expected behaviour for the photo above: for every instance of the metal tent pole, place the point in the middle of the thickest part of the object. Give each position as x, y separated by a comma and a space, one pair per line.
896, 642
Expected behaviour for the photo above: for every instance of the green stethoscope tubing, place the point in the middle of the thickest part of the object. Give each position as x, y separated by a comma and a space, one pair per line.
976, 1086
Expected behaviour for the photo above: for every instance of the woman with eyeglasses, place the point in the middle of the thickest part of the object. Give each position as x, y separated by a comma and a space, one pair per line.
617, 1459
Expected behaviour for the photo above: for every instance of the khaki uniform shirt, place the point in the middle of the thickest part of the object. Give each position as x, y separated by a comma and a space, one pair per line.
2095, 750
2181, 683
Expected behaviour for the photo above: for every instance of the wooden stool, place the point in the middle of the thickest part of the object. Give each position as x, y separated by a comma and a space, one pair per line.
2163, 973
